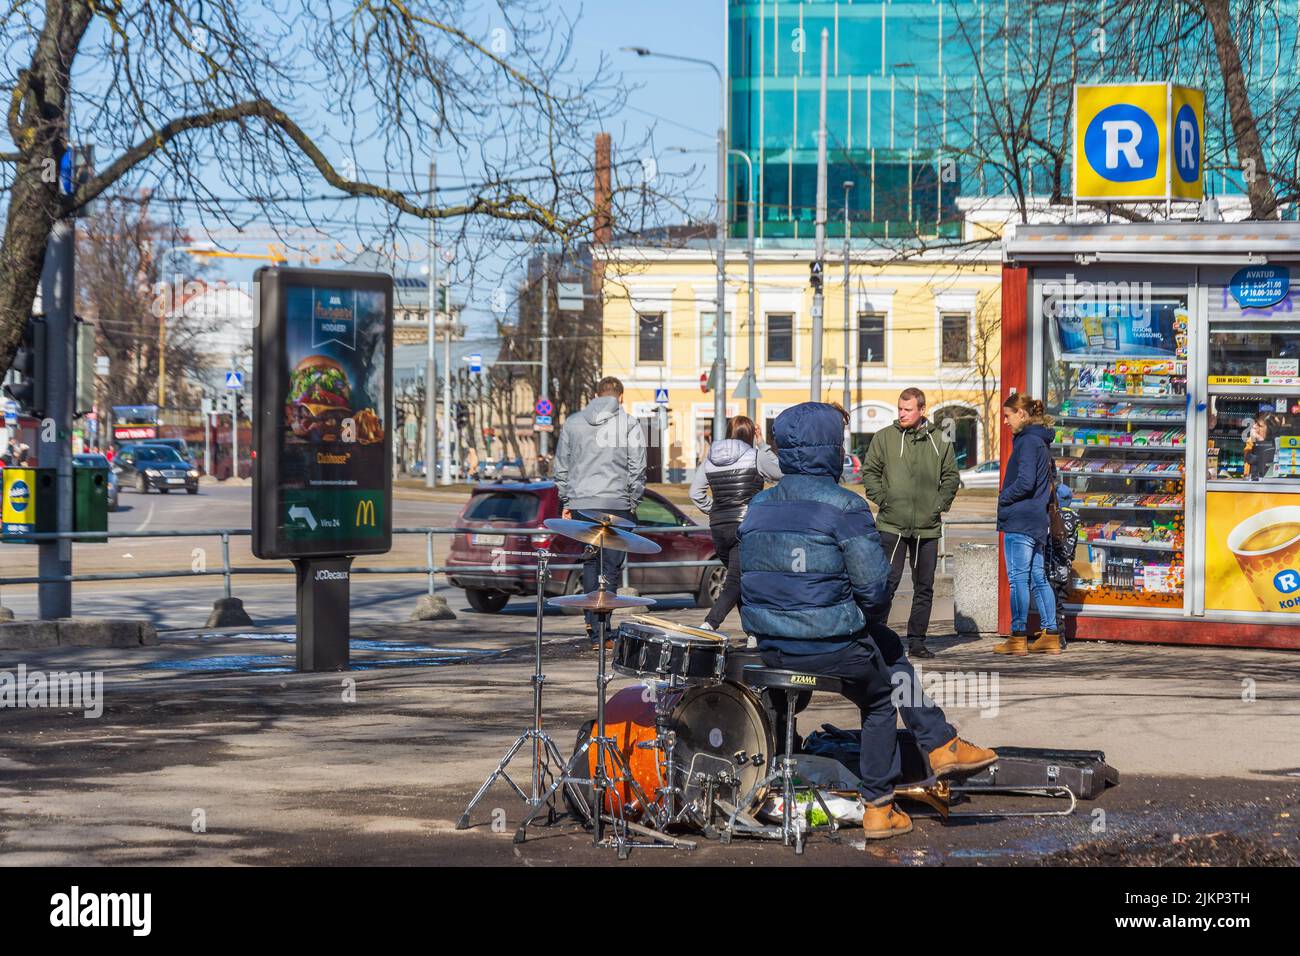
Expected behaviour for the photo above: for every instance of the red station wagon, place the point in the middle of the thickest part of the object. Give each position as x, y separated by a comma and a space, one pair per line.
528, 505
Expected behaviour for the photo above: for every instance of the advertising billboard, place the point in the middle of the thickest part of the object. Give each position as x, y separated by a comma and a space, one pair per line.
1252, 552
322, 481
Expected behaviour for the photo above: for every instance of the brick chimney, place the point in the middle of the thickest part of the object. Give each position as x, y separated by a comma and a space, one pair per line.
604, 225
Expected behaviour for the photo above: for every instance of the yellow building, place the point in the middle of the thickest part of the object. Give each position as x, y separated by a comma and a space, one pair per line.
927, 319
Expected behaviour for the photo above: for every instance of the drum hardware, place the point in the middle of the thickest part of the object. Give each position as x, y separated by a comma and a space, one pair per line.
611, 769
544, 749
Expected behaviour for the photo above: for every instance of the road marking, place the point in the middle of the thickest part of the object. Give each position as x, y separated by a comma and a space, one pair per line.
147, 518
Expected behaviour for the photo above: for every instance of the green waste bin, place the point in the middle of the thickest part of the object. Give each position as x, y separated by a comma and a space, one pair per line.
89, 501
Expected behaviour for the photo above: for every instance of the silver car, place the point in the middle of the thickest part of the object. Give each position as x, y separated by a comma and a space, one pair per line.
987, 474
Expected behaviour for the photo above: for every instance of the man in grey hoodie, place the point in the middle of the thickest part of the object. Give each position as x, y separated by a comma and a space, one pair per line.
600, 466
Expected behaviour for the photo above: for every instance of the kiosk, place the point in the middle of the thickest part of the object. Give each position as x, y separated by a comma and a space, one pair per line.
1168, 356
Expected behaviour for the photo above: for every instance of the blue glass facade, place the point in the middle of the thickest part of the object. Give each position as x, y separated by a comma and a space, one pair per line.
912, 85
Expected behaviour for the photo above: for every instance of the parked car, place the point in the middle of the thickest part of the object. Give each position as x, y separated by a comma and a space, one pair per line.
528, 505
89, 460
144, 466
987, 474
852, 470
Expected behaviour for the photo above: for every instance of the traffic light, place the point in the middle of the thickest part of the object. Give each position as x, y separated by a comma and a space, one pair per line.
27, 384
462, 415
815, 275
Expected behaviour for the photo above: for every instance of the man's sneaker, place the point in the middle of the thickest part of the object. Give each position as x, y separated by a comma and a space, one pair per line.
881, 823
960, 756
917, 648
751, 642
706, 626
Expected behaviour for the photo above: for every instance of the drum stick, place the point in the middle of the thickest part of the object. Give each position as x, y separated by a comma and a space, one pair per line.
674, 626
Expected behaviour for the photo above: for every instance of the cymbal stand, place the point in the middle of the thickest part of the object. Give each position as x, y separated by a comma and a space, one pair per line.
608, 758
543, 747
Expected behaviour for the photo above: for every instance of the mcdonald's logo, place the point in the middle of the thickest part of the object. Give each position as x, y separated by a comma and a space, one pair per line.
365, 513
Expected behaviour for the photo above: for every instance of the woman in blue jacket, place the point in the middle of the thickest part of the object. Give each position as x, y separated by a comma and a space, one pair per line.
1023, 521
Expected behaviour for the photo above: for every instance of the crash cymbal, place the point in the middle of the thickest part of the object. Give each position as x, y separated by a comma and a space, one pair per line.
602, 536
599, 601
604, 517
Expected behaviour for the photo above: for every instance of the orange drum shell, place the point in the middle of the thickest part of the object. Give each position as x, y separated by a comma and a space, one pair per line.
630, 720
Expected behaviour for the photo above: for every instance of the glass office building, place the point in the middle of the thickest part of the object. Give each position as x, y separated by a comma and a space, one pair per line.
919, 89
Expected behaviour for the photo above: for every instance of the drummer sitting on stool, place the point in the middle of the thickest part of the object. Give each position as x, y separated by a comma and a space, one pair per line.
813, 579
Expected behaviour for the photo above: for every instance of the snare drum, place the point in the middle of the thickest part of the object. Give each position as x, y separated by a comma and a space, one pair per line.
663, 652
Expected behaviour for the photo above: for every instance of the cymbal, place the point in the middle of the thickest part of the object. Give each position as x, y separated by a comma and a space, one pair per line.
602, 536
599, 601
604, 517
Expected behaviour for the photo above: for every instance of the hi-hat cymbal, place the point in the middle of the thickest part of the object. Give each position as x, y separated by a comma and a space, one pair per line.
604, 517
602, 536
599, 601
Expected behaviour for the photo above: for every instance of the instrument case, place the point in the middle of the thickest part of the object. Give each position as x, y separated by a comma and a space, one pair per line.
1085, 772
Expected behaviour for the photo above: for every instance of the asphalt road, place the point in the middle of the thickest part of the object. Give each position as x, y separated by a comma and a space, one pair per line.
269, 599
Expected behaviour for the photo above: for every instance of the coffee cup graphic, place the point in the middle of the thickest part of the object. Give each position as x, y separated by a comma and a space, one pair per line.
1267, 548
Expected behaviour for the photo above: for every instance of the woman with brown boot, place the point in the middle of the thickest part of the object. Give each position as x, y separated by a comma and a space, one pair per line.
1024, 523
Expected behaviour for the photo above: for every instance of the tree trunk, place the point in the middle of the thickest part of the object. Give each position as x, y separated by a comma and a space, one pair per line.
1250, 152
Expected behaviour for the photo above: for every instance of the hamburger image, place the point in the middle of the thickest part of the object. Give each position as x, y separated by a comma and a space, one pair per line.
319, 399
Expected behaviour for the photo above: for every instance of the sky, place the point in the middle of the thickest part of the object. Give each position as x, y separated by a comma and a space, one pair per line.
678, 100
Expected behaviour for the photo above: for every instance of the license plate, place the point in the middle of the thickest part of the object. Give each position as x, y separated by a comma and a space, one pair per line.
175, 481
497, 539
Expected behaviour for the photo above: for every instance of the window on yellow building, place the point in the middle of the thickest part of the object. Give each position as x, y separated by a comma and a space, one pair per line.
780, 339
871, 338
956, 338
649, 337
708, 336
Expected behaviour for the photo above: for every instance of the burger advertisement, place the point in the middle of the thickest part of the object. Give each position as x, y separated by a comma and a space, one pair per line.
324, 439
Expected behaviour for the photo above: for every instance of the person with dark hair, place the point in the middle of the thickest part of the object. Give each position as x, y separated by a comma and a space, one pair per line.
1260, 446
813, 577
734, 471
1025, 526
910, 475
600, 466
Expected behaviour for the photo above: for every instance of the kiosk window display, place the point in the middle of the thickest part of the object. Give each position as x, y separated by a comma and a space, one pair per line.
1168, 357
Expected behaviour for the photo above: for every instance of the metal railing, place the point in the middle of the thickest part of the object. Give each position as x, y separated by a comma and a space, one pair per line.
429, 569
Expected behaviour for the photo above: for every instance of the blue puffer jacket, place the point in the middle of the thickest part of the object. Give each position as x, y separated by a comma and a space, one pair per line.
1022, 503
812, 568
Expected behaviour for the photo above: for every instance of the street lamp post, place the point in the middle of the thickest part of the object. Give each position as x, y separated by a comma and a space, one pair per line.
848, 399
751, 403
720, 341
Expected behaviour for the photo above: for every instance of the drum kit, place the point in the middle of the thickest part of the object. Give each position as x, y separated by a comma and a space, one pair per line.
691, 749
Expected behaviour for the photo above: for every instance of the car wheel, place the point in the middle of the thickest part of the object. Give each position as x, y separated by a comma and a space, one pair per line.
573, 586
142, 485
710, 587
486, 600
191, 491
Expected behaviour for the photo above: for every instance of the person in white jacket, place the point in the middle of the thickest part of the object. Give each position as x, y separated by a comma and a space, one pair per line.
731, 475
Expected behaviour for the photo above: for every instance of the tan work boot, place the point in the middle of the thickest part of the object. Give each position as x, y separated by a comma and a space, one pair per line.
960, 756
881, 823
1017, 645
1049, 642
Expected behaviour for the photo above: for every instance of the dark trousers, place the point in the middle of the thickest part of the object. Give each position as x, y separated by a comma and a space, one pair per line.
874, 668
611, 565
923, 553
728, 551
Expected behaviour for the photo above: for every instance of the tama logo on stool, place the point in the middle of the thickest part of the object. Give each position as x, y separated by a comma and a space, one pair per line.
324, 575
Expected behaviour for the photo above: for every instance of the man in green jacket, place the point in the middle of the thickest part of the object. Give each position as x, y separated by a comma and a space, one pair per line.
911, 476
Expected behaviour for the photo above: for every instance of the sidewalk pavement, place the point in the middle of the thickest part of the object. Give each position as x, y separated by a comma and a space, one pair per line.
210, 750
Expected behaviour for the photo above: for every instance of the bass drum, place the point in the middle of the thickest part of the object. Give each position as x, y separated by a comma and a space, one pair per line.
719, 729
